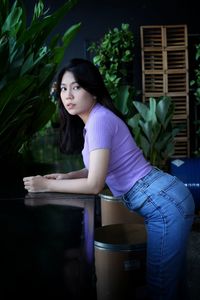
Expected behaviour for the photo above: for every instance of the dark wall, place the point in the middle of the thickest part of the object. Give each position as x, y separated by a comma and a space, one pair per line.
97, 17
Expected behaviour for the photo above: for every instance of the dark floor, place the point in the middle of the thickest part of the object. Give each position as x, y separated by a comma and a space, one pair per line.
193, 265
193, 256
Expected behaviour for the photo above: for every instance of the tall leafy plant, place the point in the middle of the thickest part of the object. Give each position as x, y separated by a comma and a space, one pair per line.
196, 84
113, 54
28, 66
153, 129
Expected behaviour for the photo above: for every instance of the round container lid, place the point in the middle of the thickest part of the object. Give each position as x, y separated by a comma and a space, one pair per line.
121, 237
107, 195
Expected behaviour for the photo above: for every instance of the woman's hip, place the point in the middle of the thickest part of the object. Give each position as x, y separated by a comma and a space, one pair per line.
162, 192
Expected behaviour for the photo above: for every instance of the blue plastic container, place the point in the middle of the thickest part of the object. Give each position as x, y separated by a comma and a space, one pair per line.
188, 171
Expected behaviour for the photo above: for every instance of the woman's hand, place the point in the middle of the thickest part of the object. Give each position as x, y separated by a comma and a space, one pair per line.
81, 181
36, 184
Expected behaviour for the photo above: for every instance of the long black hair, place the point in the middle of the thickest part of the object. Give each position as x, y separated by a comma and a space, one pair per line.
89, 78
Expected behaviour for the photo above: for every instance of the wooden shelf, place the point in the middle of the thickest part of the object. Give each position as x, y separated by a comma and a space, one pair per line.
164, 52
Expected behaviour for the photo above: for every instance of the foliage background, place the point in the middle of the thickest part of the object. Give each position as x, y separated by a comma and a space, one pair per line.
28, 67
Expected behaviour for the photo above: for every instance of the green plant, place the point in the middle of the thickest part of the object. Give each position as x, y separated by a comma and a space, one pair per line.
113, 55
28, 66
196, 84
153, 129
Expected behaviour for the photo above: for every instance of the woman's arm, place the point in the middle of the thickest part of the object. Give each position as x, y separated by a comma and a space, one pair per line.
92, 184
83, 173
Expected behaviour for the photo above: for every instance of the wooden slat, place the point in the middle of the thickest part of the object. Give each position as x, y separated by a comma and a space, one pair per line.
164, 52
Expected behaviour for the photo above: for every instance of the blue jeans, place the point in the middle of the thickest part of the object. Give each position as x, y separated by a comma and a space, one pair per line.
168, 210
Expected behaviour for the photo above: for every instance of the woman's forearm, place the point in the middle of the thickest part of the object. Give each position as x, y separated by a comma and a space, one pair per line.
80, 186
80, 181
83, 173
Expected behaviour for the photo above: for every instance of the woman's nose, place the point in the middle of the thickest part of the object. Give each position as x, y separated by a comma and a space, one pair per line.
68, 94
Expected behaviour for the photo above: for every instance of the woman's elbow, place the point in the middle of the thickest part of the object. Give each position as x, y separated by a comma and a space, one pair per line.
96, 188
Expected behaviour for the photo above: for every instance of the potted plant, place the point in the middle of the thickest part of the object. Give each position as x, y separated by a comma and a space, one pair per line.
153, 129
28, 66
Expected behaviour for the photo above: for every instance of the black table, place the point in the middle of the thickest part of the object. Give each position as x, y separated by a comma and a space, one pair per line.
47, 246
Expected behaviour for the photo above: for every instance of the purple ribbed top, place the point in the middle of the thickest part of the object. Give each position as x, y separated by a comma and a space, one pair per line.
104, 130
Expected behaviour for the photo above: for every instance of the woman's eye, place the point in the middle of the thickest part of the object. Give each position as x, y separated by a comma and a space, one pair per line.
76, 87
63, 88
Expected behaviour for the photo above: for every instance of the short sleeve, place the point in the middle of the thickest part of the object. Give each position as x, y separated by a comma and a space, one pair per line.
100, 133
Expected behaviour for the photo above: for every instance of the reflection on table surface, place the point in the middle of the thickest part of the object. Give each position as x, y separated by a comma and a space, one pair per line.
47, 246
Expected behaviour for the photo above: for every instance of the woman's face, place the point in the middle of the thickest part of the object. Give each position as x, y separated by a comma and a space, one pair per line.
75, 99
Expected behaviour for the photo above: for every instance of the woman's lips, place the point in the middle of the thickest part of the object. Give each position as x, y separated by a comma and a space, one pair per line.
70, 106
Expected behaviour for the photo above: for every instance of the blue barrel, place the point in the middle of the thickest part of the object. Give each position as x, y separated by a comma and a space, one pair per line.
188, 171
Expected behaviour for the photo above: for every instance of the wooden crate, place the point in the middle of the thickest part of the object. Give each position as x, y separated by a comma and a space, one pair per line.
164, 53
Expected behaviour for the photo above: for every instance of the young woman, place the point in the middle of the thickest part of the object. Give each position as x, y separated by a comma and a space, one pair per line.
90, 122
